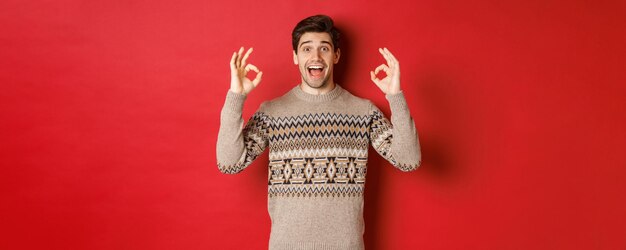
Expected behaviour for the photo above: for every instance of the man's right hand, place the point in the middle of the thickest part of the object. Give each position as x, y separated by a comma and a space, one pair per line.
239, 68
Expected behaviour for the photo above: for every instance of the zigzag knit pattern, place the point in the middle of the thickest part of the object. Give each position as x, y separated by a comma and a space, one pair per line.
315, 154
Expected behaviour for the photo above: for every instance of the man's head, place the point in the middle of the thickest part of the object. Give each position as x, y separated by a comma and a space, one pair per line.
315, 50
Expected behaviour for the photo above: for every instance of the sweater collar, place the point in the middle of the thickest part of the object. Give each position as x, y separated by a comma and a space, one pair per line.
297, 91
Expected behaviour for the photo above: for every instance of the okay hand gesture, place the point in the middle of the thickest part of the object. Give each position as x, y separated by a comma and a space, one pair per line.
391, 83
239, 68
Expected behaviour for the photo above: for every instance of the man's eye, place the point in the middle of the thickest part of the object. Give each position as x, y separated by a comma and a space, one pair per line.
306, 49
324, 49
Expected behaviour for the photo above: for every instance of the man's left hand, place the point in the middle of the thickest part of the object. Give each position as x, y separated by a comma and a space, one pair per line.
391, 83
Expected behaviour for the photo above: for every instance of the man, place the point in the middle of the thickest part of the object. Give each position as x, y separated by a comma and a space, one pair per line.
318, 134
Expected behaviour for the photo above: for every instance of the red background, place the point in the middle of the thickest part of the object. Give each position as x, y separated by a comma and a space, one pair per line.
109, 117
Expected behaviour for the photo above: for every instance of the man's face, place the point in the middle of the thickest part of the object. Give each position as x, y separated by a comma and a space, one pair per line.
315, 58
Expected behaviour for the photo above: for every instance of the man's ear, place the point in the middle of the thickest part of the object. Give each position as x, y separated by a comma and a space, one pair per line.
337, 55
295, 58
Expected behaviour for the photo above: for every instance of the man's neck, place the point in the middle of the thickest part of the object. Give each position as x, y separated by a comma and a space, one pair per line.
317, 91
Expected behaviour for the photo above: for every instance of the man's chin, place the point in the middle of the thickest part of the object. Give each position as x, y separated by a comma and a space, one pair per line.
316, 84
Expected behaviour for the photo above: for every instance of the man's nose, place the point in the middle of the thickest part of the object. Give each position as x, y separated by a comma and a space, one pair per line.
316, 54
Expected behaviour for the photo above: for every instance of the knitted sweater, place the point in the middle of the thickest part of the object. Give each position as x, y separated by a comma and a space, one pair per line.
318, 146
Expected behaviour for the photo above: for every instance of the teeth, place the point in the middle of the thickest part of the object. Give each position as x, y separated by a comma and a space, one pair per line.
315, 67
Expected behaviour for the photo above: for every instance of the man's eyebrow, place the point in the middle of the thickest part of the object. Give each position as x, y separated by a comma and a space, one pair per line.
310, 41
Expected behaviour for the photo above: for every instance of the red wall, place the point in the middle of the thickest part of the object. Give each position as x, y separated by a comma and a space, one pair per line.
109, 115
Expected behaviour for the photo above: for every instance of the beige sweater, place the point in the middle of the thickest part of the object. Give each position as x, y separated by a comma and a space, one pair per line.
317, 160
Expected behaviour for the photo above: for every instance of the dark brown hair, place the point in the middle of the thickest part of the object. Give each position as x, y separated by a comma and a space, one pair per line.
317, 23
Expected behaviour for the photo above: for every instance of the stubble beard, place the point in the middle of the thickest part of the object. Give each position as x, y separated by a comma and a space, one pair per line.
316, 86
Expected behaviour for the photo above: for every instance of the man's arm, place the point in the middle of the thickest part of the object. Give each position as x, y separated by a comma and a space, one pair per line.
397, 141
238, 146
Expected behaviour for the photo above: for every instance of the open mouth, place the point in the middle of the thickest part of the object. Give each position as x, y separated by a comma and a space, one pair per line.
316, 71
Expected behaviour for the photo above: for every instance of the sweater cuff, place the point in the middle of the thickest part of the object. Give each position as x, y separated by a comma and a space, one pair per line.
397, 102
234, 102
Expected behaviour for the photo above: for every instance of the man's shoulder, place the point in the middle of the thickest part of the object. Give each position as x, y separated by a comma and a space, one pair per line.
355, 101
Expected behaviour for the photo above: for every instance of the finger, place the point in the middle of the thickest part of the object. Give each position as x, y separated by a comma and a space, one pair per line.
391, 56
374, 78
257, 79
381, 67
388, 57
238, 62
233, 66
382, 52
252, 67
245, 57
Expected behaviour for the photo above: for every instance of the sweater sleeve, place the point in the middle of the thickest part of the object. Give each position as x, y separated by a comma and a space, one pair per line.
396, 141
238, 146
